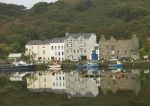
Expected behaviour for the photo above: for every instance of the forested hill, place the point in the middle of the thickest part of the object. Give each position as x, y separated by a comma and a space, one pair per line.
120, 18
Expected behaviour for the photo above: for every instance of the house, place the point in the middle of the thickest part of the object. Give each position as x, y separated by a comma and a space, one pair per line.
77, 86
57, 49
79, 46
15, 56
45, 50
118, 49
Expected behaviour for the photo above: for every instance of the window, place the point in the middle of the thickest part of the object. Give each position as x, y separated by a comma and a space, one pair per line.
71, 45
53, 83
74, 51
80, 39
67, 51
59, 83
85, 51
55, 48
62, 53
67, 44
63, 84
63, 78
55, 53
59, 78
125, 51
62, 47
77, 51
81, 51
59, 53
52, 47
58, 47
70, 39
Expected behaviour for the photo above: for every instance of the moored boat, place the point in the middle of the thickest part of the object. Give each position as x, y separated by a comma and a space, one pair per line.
55, 66
115, 63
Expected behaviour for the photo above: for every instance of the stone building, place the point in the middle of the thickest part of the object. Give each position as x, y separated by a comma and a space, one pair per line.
118, 49
80, 45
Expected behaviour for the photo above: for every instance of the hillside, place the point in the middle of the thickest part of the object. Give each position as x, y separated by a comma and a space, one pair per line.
120, 18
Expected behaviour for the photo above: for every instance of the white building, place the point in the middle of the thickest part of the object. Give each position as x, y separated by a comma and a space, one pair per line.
78, 46
46, 80
45, 50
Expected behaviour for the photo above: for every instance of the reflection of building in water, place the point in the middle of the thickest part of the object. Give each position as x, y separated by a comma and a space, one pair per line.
77, 86
17, 76
120, 81
46, 81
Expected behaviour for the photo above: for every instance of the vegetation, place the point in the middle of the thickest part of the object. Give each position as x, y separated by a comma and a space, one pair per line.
120, 18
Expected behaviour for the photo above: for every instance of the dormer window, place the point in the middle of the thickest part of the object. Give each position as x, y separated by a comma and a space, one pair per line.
70, 39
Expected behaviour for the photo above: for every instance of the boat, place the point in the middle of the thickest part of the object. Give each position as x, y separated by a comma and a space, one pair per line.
55, 66
115, 63
18, 67
88, 65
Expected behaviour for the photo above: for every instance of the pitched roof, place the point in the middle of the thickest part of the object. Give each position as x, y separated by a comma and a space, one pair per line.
47, 41
34, 42
57, 40
76, 36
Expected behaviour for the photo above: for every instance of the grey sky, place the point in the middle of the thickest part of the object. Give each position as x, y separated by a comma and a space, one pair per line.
26, 3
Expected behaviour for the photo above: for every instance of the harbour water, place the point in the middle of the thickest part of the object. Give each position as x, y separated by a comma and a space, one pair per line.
120, 86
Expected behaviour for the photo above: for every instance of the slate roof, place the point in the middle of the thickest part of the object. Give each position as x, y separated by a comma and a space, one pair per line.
76, 36
34, 42
41, 42
57, 40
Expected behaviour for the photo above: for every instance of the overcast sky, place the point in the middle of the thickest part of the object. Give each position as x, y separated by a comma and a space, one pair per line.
26, 3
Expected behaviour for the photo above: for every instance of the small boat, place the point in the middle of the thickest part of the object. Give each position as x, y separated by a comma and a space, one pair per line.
114, 63
88, 65
55, 66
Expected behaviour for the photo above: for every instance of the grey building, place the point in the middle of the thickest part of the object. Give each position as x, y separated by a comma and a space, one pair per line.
118, 49
79, 45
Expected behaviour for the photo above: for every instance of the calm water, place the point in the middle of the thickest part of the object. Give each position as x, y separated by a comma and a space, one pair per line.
85, 83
